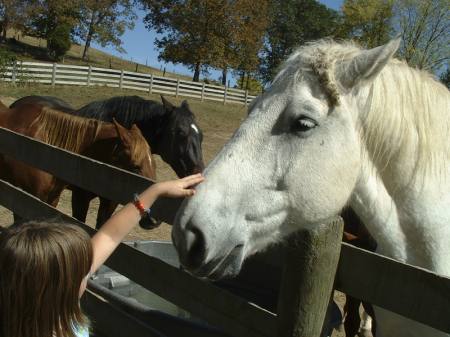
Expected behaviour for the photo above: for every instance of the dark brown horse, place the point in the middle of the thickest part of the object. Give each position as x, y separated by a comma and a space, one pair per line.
356, 234
105, 142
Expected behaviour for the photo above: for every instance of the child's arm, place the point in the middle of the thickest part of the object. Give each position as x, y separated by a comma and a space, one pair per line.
111, 234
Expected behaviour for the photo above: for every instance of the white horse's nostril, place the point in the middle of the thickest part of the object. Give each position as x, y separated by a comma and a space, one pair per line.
190, 240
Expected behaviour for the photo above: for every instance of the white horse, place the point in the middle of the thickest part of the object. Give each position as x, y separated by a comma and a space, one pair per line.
338, 126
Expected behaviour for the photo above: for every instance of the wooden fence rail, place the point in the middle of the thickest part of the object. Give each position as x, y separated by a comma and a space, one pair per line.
412, 292
57, 73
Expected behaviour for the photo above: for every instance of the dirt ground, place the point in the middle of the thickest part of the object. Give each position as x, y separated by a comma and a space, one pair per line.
212, 143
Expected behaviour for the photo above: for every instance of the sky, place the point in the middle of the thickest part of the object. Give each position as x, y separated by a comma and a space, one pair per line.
139, 44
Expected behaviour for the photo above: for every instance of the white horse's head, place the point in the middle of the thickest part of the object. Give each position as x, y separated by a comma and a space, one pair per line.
293, 163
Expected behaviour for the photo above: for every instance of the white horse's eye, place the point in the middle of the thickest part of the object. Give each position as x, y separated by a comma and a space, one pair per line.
303, 124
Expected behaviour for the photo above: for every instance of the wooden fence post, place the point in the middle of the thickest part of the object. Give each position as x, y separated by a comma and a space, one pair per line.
246, 97
307, 283
14, 71
150, 87
177, 88
54, 74
89, 77
121, 79
203, 92
225, 95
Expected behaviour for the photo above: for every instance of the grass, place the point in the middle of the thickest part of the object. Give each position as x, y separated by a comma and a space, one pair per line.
211, 116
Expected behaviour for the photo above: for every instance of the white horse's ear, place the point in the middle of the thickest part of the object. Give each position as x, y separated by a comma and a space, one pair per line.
367, 65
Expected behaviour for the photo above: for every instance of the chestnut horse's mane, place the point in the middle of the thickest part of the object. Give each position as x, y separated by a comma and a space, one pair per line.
68, 132
63, 130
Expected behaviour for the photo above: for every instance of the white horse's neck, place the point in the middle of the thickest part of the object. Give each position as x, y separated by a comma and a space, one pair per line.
408, 215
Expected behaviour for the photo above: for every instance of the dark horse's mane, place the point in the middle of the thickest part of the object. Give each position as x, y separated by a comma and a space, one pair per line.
127, 110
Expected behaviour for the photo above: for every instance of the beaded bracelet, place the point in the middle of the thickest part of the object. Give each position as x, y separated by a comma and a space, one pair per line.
140, 205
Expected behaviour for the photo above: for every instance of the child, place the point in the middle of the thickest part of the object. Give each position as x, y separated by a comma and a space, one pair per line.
44, 266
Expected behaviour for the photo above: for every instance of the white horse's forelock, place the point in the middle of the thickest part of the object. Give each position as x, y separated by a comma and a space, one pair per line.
397, 89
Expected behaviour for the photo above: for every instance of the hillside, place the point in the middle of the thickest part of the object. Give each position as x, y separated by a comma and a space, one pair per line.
32, 49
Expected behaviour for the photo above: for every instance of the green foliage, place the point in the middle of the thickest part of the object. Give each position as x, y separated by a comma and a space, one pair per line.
294, 23
444, 77
43, 16
207, 33
425, 27
250, 83
60, 42
6, 59
104, 22
369, 22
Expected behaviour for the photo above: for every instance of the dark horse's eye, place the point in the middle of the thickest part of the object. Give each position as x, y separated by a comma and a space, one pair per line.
303, 124
183, 137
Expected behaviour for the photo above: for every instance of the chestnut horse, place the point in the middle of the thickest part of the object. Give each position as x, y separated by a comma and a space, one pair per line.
105, 142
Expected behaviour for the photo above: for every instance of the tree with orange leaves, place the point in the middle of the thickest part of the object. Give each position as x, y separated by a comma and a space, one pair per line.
209, 33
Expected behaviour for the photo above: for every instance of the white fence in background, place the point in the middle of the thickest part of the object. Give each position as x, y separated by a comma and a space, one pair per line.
57, 73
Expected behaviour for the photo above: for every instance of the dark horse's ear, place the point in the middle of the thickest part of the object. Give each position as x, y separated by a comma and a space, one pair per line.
185, 105
166, 104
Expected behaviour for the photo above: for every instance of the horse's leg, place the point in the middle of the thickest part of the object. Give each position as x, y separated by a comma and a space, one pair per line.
80, 203
368, 308
352, 318
105, 210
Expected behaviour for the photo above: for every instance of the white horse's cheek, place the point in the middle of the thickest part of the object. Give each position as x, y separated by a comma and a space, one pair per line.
319, 191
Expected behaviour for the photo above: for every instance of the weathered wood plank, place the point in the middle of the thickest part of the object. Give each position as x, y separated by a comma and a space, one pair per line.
412, 292
307, 283
84, 172
28, 206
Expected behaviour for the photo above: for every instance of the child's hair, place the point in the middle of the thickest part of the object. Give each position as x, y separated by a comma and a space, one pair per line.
42, 265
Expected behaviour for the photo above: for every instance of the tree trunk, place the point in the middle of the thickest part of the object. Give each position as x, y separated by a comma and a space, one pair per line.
224, 76
87, 45
197, 72
242, 80
88, 41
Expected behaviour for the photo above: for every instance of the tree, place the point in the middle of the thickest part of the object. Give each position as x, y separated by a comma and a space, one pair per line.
60, 42
250, 83
294, 23
425, 26
104, 21
244, 37
11, 13
201, 34
43, 16
369, 22
6, 59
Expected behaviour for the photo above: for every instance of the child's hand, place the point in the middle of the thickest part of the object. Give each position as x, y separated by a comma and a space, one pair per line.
179, 188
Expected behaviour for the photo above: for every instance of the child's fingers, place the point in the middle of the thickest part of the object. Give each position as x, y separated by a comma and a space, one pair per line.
192, 176
189, 193
194, 181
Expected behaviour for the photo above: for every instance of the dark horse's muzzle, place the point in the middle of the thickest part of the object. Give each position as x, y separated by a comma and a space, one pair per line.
149, 223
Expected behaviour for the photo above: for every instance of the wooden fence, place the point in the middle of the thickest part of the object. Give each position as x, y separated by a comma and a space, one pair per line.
409, 291
57, 73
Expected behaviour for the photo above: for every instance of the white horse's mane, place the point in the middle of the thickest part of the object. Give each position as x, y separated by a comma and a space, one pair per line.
406, 107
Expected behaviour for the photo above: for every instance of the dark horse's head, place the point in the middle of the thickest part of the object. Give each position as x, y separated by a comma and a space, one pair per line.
180, 144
